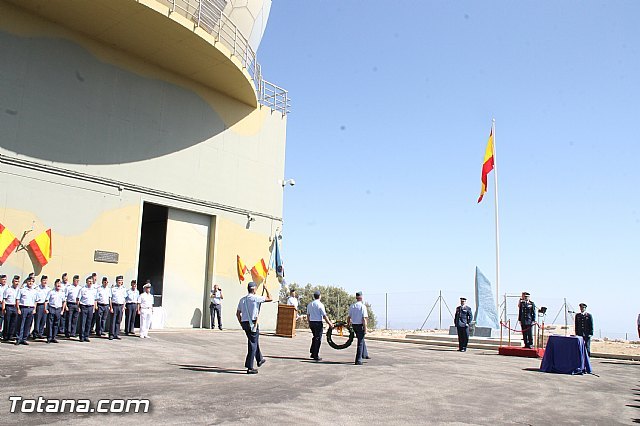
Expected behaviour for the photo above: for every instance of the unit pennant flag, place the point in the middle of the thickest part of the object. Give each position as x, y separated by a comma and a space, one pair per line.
259, 272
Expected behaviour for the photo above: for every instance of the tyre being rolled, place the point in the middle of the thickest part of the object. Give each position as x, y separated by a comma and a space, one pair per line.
330, 331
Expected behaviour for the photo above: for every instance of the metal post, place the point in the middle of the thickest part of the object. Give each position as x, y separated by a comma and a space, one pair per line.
509, 331
386, 311
199, 11
440, 298
505, 306
565, 317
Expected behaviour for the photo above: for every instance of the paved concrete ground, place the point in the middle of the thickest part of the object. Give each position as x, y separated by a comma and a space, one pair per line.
197, 376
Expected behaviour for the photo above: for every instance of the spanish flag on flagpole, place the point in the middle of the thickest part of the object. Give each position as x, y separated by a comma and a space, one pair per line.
242, 269
41, 247
259, 272
8, 243
487, 165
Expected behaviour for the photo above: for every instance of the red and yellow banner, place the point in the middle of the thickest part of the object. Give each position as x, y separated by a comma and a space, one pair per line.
8, 243
242, 269
259, 272
487, 165
41, 247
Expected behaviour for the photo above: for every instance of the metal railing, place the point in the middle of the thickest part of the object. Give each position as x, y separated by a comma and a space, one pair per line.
209, 16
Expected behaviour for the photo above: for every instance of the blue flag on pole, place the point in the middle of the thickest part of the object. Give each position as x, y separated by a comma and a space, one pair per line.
486, 314
278, 266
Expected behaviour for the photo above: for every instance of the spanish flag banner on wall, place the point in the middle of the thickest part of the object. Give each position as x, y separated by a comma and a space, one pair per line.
8, 243
487, 165
242, 269
259, 272
41, 247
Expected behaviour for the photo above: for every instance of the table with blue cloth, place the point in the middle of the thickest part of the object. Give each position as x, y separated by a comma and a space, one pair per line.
565, 355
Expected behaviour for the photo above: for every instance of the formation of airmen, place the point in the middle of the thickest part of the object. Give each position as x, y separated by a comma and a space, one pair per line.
70, 309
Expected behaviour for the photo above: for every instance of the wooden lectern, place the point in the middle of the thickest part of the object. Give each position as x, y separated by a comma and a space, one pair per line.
286, 326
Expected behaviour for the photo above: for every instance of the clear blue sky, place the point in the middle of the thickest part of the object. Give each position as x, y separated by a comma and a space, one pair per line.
392, 104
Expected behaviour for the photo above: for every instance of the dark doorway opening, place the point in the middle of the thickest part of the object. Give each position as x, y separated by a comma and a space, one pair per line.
153, 241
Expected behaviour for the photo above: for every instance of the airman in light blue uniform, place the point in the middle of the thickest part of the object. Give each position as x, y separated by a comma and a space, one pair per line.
11, 323
53, 306
118, 297
40, 317
25, 304
131, 302
103, 300
86, 305
247, 314
72, 309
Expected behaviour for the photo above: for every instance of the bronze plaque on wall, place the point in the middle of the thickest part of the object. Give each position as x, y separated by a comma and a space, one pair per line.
105, 256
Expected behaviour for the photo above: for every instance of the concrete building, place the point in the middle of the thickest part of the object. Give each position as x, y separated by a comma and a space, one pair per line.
143, 134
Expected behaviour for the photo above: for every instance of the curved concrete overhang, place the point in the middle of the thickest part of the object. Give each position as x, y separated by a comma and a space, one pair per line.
149, 30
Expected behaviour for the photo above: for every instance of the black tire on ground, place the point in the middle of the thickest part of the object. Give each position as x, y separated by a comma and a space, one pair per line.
346, 344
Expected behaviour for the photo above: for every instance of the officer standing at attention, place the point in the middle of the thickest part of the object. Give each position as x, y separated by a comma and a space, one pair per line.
316, 313
87, 304
131, 306
94, 278
25, 305
145, 310
3, 287
63, 317
358, 317
103, 296
584, 326
247, 314
9, 309
215, 307
54, 304
118, 296
462, 321
72, 307
527, 317
40, 317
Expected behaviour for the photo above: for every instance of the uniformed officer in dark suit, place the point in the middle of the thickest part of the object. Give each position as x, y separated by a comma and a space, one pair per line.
527, 317
462, 322
584, 326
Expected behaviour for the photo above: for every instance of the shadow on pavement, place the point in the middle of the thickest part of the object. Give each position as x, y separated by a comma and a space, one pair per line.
209, 369
287, 357
536, 369
621, 363
309, 360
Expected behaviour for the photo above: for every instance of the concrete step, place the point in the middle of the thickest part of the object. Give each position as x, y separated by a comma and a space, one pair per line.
449, 338
441, 343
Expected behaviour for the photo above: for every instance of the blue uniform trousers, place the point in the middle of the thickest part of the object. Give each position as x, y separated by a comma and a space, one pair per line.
10, 322
116, 319
26, 320
53, 322
316, 340
85, 320
361, 350
463, 337
101, 321
130, 320
72, 320
253, 345
40, 321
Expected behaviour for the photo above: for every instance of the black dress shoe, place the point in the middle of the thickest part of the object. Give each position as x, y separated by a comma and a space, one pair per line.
54, 341
358, 363
48, 341
366, 357
117, 338
24, 342
110, 338
317, 359
86, 340
17, 342
252, 371
261, 362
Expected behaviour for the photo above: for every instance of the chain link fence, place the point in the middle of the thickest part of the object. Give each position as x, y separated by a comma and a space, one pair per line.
434, 309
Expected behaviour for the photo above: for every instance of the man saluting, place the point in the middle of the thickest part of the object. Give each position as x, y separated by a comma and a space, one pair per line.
247, 314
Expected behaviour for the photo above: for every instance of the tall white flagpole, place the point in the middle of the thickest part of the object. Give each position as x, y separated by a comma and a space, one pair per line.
495, 181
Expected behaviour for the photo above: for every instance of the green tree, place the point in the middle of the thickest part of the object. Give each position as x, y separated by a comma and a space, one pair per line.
336, 301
